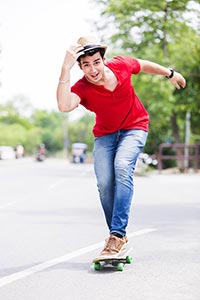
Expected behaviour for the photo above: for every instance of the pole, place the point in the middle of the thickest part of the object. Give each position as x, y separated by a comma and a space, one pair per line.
187, 139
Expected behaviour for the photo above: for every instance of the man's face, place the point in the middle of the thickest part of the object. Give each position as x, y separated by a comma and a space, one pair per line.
93, 67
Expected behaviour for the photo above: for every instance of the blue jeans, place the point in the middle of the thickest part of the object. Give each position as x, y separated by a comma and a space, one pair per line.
115, 157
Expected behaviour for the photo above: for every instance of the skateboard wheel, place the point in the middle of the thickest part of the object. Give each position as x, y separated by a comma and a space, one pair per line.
97, 266
129, 259
120, 267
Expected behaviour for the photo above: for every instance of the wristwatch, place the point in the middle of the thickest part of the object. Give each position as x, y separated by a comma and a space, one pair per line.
171, 75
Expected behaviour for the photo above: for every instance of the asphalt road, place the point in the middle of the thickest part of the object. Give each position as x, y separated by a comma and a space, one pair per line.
52, 227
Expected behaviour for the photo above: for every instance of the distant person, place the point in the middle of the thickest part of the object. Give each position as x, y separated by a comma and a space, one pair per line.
19, 151
41, 152
121, 126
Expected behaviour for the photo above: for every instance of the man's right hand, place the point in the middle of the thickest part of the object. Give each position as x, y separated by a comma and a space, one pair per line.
71, 56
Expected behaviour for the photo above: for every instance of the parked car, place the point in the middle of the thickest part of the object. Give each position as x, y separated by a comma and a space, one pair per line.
7, 152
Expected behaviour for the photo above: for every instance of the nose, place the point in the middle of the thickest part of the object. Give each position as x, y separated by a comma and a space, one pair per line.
92, 69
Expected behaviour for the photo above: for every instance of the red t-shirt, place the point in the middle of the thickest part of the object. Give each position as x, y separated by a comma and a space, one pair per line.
118, 109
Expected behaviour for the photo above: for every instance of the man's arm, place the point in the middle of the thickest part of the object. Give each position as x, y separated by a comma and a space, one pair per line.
153, 68
67, 101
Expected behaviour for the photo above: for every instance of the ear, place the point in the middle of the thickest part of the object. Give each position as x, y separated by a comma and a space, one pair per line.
79, 64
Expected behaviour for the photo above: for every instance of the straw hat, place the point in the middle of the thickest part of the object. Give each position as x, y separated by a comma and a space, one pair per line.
89, 43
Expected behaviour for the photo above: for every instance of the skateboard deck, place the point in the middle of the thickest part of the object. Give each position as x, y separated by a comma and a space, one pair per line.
117, 262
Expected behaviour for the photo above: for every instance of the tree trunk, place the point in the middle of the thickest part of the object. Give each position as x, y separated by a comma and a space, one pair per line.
175, 129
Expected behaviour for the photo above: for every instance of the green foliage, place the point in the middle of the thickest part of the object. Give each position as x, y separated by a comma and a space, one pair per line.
166, 32
40, 126
34, 138
81, 130
32, 130
51, 129
12, 134
44, 119
9, 115
17, 134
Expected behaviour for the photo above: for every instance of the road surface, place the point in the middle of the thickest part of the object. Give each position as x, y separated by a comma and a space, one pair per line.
52, 227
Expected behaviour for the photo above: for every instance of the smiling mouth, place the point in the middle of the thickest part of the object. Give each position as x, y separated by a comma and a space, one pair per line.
95, 76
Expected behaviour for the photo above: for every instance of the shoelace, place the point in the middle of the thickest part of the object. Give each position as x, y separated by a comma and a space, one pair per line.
110, 244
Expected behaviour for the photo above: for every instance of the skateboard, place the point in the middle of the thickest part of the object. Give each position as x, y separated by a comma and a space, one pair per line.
116, 262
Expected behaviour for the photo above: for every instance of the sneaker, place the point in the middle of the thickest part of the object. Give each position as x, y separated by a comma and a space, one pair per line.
114, 246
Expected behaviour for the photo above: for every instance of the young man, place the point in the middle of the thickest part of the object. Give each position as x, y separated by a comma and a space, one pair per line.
121, 124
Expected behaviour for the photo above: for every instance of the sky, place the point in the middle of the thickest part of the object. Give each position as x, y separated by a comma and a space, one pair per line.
34, 36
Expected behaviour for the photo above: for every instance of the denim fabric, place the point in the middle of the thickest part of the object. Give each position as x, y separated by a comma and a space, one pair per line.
115, 157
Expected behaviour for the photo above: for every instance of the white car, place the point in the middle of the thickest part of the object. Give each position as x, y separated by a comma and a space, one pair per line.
7, 152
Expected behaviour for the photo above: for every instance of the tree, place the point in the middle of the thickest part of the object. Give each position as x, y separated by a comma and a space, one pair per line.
81, 130
51, 129
14, 128
18, 125
165, 32
10, 115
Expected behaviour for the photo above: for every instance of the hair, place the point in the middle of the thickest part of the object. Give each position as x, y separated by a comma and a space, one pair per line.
92, 52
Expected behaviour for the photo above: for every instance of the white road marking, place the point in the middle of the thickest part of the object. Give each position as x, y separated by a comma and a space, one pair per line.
50, 263
58, 182
141, 232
